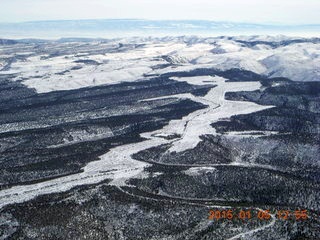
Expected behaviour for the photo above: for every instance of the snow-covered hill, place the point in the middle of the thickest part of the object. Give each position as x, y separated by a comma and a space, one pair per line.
75, 63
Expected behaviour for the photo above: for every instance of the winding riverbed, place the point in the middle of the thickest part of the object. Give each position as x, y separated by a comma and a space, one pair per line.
118, 165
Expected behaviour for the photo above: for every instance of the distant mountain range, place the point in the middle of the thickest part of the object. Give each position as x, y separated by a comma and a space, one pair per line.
111, 28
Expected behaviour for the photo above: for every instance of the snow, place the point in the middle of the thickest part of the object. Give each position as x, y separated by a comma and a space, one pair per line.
64, 73
251, 134
296, 61
196, 171
78, 136
245, 235
199, 122
115, 71
118, 165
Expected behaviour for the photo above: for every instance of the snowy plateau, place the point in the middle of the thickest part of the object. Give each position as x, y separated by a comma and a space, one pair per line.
140, 137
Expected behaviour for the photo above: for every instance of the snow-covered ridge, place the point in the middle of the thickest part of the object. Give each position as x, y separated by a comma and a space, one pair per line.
143, 27
72, 63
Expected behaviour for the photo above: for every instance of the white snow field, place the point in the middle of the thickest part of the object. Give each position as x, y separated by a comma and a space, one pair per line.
271, 56
198, 123
118, 165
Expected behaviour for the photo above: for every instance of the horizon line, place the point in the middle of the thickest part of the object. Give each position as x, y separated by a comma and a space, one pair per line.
166, 20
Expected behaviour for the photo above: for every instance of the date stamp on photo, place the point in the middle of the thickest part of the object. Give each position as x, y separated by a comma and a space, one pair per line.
298, 215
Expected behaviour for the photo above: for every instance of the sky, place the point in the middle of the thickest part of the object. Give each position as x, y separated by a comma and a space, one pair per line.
252, 11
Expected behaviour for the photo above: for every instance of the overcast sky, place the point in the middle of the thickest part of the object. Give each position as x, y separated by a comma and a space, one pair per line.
254, 11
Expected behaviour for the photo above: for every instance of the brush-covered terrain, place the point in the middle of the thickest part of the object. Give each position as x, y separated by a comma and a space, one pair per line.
140, 138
